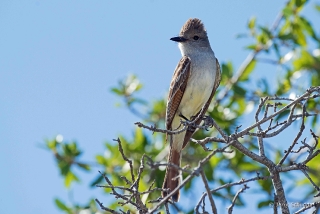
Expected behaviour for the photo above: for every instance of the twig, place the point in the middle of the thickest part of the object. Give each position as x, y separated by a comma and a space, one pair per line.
206, 140
230, 208
206, 185
260, 139
315, 204
106, 208
189, 177
242, 181
154, 129
302, 127
311, 181
125, 158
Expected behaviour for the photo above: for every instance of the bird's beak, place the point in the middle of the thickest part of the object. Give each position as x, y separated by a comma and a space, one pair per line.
178, 39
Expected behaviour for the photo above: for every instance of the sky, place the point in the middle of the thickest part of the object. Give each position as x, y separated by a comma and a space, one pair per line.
58, 61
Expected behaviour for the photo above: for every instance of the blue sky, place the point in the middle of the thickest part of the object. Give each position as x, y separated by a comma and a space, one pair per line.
58, 61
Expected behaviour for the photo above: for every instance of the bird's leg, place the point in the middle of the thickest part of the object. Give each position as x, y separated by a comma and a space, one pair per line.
182, 116
189, 122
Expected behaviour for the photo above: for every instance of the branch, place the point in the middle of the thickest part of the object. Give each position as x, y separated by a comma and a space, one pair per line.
213, 205
106, 208
125, 158
230, 208
189, 177
242, 181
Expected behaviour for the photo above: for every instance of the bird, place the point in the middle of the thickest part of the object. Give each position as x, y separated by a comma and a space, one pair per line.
194, 83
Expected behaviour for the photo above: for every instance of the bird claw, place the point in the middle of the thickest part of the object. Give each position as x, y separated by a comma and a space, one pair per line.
207, 122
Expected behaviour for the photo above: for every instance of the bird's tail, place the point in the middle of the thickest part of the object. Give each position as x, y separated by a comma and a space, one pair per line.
172, 179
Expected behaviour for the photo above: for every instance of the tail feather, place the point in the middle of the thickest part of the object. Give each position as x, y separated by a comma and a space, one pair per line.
171, 180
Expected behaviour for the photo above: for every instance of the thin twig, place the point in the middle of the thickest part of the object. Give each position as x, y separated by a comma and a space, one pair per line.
230, 208
206, 185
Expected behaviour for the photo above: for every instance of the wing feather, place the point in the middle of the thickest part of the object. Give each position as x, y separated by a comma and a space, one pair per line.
177, 87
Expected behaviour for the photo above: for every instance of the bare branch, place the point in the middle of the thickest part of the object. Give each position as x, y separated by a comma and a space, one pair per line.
106, 208
311, 181
125, 158
154, 129
308, 206
296, 138
206, 185
189, 177
230, 208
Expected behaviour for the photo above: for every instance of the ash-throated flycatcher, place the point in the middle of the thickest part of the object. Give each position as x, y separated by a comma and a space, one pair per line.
192, 87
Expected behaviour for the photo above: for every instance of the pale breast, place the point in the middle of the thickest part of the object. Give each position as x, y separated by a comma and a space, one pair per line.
199, 87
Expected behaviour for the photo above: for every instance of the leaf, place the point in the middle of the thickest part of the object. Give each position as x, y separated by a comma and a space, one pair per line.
247, 71
252, 23
101, 160
299, 3
252, 47
139, 138
239, 90
305, 61
305, 24
70, 177
300, 37
117, 91
241, 35
86, 167
288, 36
282, 114
52, 144
250, 167
265, 204
227, 69
287, 11
62, 206
96, 181
266, 31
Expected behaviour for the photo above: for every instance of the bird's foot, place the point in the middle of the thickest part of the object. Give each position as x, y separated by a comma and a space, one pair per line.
207, 122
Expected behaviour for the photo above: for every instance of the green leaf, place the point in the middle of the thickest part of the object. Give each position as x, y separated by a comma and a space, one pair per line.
247, 71
96, 181
305, 24
86, 167
300, 37
52, 144
227, 69
62, 206
288, 36
252, 47
241, 35
117, 91
266, 31
287, 11
70, 177
101, 160
239, 90
266, 203
299, 3
252, 23
250, 167
305, 61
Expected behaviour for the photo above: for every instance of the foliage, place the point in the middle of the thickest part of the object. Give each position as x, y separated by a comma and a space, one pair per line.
291, 45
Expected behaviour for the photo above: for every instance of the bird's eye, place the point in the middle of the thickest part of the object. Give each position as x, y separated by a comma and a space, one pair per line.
196, 37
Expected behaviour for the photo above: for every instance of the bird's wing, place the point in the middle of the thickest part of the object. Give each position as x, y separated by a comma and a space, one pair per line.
177, 87
191, 130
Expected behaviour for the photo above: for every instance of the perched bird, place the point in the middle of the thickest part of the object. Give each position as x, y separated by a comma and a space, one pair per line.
194, 82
